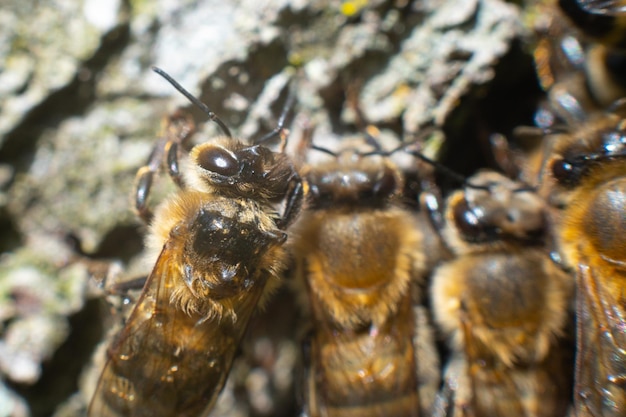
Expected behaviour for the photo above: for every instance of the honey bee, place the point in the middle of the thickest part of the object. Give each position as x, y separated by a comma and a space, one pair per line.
604, 23
602, 20
586, 169
583, 181
220, 244
502, 303
582, 70
362, 257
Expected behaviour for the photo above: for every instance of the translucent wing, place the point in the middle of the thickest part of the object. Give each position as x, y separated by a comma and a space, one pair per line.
601, 357
166, 362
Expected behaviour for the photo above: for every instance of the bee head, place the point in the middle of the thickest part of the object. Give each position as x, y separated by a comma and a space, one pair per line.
493, 208
234, 169
352, 177
597, 146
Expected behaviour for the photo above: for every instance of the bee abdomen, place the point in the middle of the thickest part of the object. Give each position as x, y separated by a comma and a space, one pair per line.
371, 372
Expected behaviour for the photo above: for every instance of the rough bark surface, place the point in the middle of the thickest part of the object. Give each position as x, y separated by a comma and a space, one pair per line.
80, 109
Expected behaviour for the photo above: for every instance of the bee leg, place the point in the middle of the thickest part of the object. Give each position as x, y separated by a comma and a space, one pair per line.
118, 294
306, 392
431, 204
444, 401
280, 131
145, 175
448, 403
372, 135
177, 129
472, 358
295, 195
306, 141
143, 180
504, 156
171, 149
352, 103
122, 288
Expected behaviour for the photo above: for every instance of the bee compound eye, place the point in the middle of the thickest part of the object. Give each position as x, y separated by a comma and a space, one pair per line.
561, 169
218, 160
466, 220
569, 172
473, 224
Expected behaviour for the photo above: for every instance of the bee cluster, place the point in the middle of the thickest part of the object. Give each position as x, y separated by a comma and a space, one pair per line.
504, 299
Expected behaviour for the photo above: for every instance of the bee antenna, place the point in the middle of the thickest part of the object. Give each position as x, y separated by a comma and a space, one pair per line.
380, 152
371, 132
525, 189
419, 155
325, 150
523, 132
212, 116
427, 131
468, 184
280, 125
556, 129
445, 170
438, 166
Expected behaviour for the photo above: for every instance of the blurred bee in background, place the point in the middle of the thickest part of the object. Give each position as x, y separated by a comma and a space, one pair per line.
587, 169
502, 304
363, 258
582, 178
580, 58
220, 247
604, 23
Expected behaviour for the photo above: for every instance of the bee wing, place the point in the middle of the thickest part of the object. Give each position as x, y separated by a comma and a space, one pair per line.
166, 362
115, 394
601, 354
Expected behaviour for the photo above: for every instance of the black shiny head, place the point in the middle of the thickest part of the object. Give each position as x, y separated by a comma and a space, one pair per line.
234, 169
352, 178
495, 208
578, 156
